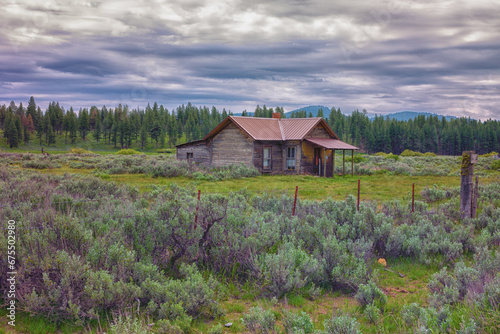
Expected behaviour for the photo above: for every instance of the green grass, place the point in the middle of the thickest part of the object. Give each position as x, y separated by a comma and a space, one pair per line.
374, 187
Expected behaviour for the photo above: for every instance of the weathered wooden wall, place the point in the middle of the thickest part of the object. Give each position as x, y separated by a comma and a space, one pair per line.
318, 132
307, 161
232, 146
298, 156
200, 150
276, 156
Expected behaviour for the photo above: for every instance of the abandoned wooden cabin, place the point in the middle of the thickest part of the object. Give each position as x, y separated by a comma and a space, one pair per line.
272, 145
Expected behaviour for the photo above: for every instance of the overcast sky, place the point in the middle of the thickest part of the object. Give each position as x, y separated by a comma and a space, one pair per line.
383, 56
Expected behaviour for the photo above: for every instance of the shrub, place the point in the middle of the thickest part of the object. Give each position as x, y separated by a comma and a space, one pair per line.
469, 327
78, 150
258, 320
294, 323
380, 154
370, 294
341, 267
411, 314
372, 313
289, 269
128, 151
166, 150
357, 158
164, 326
435, 194
37, 164
449, 289
492, 293
495, 165
217, 329
178, 300
341, 324
410, 153
127, 324
430, 154
488, 155
392, 156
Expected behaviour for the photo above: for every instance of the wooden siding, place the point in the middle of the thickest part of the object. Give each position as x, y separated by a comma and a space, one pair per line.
318, 132
307, 161
231, 146
298, 157
200, 151
276, 157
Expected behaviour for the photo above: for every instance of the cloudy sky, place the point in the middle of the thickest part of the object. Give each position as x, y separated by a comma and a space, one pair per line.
384, 56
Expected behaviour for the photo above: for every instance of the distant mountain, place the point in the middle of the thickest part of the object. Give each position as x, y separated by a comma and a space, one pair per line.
400, 116
407, 115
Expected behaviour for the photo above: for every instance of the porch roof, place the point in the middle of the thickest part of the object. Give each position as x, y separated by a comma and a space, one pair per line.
331, 144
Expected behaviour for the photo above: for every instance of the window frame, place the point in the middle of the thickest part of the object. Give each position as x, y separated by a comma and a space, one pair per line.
269, 159
291, 159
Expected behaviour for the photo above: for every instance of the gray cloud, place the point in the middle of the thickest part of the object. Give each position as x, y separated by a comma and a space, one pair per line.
384, 56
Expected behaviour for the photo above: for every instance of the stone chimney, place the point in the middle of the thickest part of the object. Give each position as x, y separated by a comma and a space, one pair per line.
276, 115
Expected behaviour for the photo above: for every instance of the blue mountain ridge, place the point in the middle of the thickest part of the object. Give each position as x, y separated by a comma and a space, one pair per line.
399, 116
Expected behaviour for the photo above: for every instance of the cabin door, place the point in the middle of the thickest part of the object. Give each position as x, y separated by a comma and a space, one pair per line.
317, 161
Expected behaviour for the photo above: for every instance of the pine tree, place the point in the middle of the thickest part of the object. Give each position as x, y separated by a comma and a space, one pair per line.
97, 129
115, 132
51, 136
83, 122
19, 129
11, 133
172, 130
73, 127
40, 129
33, 112
26, 135
144, 136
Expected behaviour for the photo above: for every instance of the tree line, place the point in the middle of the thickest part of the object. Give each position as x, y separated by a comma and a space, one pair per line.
122, 126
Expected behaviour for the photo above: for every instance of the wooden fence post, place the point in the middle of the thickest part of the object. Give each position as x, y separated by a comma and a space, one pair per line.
475, 196
295, 200
469, 158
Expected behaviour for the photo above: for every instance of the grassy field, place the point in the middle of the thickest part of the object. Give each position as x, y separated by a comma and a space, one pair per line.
240, 296
373, 187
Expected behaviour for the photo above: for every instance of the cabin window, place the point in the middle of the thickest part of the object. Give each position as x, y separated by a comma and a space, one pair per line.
189, 157
267, 158
290, 158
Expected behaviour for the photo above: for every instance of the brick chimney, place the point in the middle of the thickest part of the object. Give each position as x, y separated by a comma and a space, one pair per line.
276, 115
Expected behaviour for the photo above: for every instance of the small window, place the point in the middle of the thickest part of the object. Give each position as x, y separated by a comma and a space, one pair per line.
266, 158
189, 157
290, 158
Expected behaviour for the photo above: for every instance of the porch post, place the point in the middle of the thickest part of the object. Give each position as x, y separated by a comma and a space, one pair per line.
352, 162
333, 158
343, 162
324, 162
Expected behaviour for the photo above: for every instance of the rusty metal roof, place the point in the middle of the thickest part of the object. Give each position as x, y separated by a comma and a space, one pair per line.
298, 128
260, 128
331, 144
274, 128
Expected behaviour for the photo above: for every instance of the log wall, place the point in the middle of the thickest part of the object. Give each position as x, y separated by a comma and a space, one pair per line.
200, 151
318, 132
276, 157
232, 146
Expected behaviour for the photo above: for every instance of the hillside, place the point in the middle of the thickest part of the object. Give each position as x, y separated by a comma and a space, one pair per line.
407, 115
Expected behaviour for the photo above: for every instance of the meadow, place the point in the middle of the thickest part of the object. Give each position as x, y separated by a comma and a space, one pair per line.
120, 244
